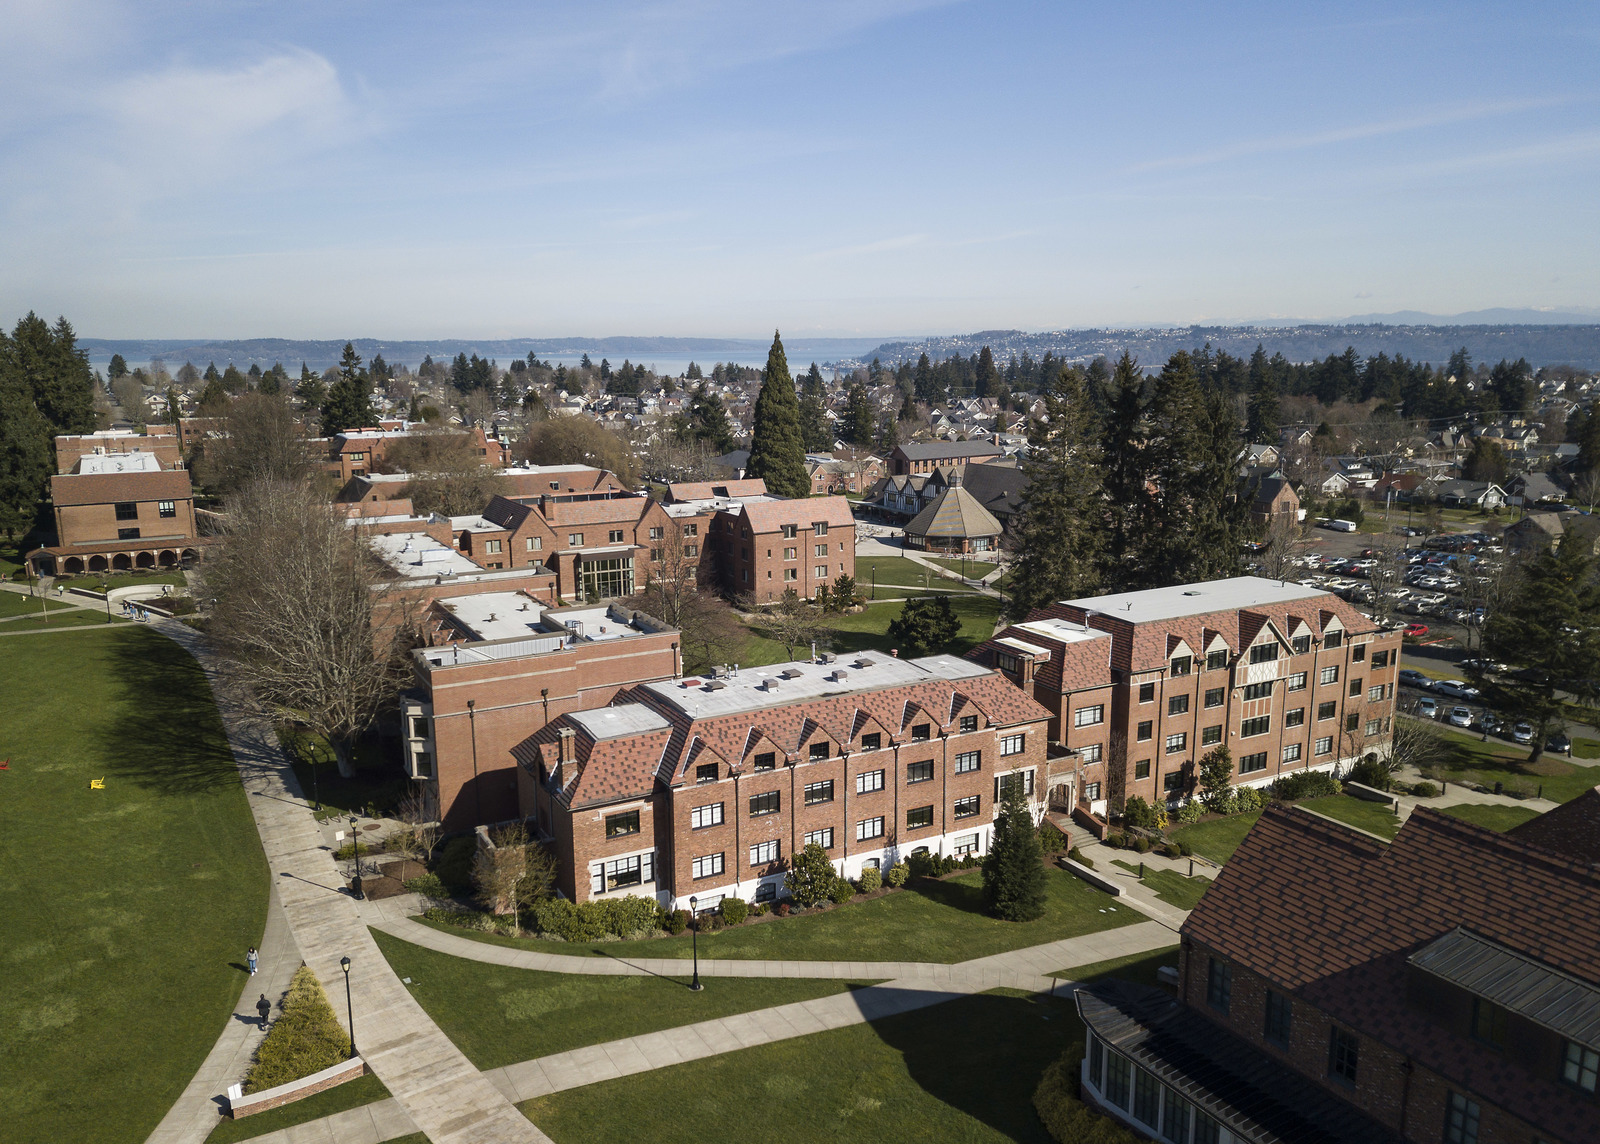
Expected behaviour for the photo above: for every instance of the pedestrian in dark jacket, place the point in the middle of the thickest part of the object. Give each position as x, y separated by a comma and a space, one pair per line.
264, 1007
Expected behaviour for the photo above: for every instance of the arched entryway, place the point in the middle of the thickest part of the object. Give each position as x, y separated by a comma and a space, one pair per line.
98, 564
145, 560
73, 565
122, 562
168, 558
190, 556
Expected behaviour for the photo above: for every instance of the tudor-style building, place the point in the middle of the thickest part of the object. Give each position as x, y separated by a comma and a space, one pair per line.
708, 786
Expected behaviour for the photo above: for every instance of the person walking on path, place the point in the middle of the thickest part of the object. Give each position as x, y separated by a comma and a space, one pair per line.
264, 1007
253, 959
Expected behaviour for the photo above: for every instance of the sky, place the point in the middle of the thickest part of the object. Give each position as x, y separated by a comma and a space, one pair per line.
836, 168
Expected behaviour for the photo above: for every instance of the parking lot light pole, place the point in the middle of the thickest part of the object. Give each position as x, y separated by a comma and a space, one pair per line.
694, 921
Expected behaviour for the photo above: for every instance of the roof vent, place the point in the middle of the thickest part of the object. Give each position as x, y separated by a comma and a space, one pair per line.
770, 685
828, 657
1191, 593
715, 685
861, 664
838, 676
790, 673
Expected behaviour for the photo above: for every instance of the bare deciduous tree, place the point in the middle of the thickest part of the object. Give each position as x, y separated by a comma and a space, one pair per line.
1285, 540
261, 440
301, 614
419, 811
512, 872
791, 621
709, 630
1416, 743
448, 476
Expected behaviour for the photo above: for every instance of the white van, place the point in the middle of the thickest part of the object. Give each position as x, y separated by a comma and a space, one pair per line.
1341, 525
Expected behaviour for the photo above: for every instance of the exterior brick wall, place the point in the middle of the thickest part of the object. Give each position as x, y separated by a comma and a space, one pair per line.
298, 1090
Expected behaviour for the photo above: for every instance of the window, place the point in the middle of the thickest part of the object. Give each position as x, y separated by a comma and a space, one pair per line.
869, 828
1291, 753
1178, 742
965, 844
1295, 718
1280, 1011
1344, 1055
1375, 693
1172, 783
1358, 653
820, 528
819, 550
1219, 985
1206, 1130
788, 574
1007, 662
1147, 692
968, 761
919, 772
819, 792
703, 816
658, 533
1256, 691
1333, 639
1016, 780
1260, 725
1091, 791
1178, 705
1352, 721
1374, 727
1300, 644
822, 838
767, 802
1091, 753
419, 727
622, 873
820, 751
1355, 686
618, 825
1296, 682
574, 540
691, 530
1380, 659
1216, 660
707, 866
1324, 745
1210, 736
1174, 1115
705, 773
1488, 1022
1146, 1098
869, 781
1116, 1089
790, 531
491, 546
535, 544
763, 853
1264, 653
767, 892
127, 510
1330, 675
969, 724
1216, 696
424, 762
127, 534
1182, 665
1461, 1121
921, 733
967, 807
691, 550
1249, 764
872, 742
1146, 729
765, 761
1089, 716
1327, 710
1011, 745
788, 553
614, 536
169, 509
1141, 769
1580, 1066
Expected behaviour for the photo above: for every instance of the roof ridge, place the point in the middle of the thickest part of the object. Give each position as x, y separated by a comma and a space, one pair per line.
1449, 824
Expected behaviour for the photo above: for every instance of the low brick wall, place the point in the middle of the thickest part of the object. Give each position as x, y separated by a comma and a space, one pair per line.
331, 1077
1370, 794
1098, 881
1095, 826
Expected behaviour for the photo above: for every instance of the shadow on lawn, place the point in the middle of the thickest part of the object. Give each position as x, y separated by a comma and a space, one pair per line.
169, 737
964, 896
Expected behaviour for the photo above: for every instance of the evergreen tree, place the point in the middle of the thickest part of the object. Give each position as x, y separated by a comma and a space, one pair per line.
1060, 533
1485, 462
860, 418
984, 383
925, 625
1589, 441
585, 363
1013, 870
253, 376
908, 409
815, 432
1128, 502
1263, 424
348, 404
311, 389
888, 435
213, 399
233, 381
117, 368
777, 453
1216, 778
211, 373
923, 382
174, 410
692, 373
707, 422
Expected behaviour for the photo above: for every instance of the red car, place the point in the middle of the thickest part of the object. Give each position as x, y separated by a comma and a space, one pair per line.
1416, 631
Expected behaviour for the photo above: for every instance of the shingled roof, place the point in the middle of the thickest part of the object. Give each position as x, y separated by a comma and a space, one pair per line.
109, 488
1573, 828
955, 515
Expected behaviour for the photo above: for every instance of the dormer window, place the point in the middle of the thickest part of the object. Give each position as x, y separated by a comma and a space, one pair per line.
1217, 660
1182, 664
766, 761
1333, 639
705, 773
921, 732
1264, 653
872, 741
1300, 644
1488, 1022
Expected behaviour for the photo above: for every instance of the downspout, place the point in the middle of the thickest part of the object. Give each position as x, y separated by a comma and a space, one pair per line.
738, 848
845, 826
1407, 1068
794, 819
944, 787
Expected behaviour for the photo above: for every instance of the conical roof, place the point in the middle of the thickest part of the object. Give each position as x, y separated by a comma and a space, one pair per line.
956, 514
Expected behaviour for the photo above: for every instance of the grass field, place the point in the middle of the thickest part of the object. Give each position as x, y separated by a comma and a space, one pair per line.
498, 1016
70, 618
1170, 886
972, 569
1494, 817
1586, 749
16, 604
1218, 838
868, 630
939, 921
125, 911
898, 572
1500, 762
93, 583
1374, 817
363, 1090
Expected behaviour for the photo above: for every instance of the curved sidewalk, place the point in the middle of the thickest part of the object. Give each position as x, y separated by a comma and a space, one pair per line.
432, 1081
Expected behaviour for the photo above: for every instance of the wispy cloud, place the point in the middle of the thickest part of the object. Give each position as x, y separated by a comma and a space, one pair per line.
878, 247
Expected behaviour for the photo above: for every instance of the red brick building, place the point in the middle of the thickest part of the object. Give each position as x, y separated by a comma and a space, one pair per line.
1443, 987
160, 440
118, 512
600, 544
709, 786
1143, 684
763, 545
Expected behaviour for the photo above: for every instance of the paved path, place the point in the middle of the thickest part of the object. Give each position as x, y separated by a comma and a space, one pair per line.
435, 1084
1018, 969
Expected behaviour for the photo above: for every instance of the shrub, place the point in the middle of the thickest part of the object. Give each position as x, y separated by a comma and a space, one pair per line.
1247, 799
811, 878
454, 863
306, 1037
710, 923
1172, 849
1305, 784
677, 921
622, 917
428, 885
760, 909
1137, 812
1184, 848
1372, 772
781, 909
1191, 811
1051, 838
1080, 858
735, 910
922, 865
871, 880
842, 891
1142, 845
1425, 790
1066, 1117
1115, 839
898, 874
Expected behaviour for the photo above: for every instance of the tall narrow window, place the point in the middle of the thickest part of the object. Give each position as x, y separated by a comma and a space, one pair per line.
1344, 1055
1219, 985
1280, 1012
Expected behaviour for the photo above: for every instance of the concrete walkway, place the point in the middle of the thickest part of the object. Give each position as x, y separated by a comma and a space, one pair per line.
433, 1082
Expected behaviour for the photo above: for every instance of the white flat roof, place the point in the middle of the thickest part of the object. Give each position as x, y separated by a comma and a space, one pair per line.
699, 697
619, 722
474, 523
525, 470
1061, 631
1155, 604
100, 464
418, 554
496, 615
596, 624
383, 478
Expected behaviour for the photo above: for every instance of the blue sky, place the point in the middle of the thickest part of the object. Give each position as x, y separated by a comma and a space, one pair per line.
522, 169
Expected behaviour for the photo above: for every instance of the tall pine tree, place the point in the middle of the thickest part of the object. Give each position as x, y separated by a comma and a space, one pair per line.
987, 380
777, 452
1125, 462
1013, 870
349, 404
815, 432
1263, 424
860, 418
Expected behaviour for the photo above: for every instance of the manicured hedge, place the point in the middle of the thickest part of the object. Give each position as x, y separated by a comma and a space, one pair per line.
306, 1038
1066, 1117
613, 918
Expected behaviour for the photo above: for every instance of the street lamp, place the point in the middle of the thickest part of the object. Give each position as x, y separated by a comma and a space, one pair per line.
344, 964
355, 844
874, 581
694, 939
477, 787
105, 590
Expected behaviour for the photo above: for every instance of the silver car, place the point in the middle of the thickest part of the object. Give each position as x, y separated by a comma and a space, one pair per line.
1461, 716
1427, 709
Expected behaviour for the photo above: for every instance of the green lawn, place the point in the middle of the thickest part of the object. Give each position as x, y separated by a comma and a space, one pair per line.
1137, 967
16, 604
1217, 838
364, 1090
378, 780
868, 630
1374, 817
125, 911
1497, 761
93, 583
897, 572
1494, 817
58, 620
939, 921
498, 1016
973, 569
1170, 886
1586, 749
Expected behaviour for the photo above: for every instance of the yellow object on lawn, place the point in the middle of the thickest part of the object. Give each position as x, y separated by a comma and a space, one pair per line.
97, 784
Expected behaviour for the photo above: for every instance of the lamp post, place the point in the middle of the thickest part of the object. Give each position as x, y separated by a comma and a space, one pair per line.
874, 581
477, 787
355, 844
694, 940
344, 964
105, 590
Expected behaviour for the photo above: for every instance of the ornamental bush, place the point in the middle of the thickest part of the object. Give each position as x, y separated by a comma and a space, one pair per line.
1425, 790
1065, 1116
898, 874
306, 1037
1172, 850
1142, 845
624, 917
842, 891
1051, 838
871, 880
1191, 811
1247, 799
734, 911
677, 921
1080, 858
1184, 848
1305, 784
1115, 839
811, 878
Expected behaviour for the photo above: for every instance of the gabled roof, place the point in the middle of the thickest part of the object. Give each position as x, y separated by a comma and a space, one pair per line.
956, 514
947, 450
1573, 828
109, 488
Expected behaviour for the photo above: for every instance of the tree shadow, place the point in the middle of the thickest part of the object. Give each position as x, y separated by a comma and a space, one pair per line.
963, 896
169, 736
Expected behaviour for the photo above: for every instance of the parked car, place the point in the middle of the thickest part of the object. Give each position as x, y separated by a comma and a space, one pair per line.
1411, 677
1461, 716
1416, 631
1490, 724
1522, 732
1560, 741
1456, 689
1427, 709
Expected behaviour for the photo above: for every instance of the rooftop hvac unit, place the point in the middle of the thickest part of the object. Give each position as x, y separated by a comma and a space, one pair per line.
791, 673
715, 685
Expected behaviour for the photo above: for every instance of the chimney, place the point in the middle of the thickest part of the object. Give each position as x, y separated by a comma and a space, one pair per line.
568, 745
